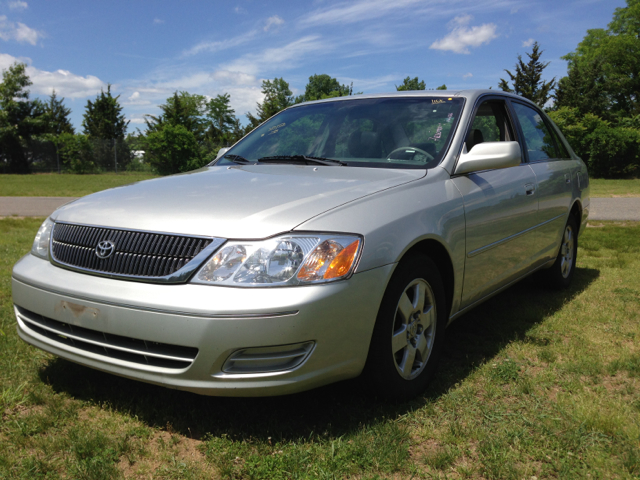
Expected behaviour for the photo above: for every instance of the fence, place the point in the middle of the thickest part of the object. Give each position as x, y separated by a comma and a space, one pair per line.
86, 156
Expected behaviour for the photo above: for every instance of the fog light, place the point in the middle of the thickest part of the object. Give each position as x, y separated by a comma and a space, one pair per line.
268, 359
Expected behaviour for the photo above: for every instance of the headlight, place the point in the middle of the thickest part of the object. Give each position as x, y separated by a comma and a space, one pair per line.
285, 260
40, 246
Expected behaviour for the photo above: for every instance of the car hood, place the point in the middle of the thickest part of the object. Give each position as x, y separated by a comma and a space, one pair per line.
249, 201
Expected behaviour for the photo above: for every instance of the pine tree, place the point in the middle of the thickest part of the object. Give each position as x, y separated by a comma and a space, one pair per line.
103, 117
57, 116
527, 81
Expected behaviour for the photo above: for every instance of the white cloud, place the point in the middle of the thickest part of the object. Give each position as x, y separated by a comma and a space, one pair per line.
351, 12
136, 120
221, 45
467, 75
461, 36
528, 43
18, 5
278, 58
235, 78
65, 83
134, 99
18, 32
240, 10
158, 21
274, 21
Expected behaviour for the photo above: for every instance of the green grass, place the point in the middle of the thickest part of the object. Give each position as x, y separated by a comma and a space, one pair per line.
615, 188
65, 185
532, 383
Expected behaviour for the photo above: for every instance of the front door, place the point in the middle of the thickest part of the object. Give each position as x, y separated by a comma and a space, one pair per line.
501, 208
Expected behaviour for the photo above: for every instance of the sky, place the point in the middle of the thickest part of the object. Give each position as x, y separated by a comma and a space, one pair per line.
149, 49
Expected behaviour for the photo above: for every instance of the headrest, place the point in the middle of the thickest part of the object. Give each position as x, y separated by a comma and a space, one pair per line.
475, 137
364, 144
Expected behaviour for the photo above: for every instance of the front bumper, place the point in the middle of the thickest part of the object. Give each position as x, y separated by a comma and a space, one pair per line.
217, 321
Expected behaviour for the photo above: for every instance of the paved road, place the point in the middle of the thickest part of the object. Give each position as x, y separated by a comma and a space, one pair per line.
31, 206
615, 209
601, 208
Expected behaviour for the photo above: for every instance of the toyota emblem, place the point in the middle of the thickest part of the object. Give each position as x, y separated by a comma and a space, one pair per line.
105, 248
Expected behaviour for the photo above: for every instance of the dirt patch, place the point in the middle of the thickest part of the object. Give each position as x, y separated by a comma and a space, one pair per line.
164, 449
22, 411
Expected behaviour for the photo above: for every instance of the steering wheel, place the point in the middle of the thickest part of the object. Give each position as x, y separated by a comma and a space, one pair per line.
416, 150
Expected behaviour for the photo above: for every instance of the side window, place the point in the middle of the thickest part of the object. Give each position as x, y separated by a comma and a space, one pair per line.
490, 124
539, 140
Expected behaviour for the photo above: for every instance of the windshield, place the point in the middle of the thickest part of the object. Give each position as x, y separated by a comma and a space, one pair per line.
400, 132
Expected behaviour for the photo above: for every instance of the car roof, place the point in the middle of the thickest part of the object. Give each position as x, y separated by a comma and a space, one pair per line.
471, 95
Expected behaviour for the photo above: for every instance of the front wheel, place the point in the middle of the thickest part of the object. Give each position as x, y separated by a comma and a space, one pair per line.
409, 330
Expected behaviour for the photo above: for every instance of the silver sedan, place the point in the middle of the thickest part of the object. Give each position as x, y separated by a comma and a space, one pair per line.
338, 238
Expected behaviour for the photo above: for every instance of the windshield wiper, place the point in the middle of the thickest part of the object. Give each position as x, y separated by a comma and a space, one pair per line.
237, 159
301, 159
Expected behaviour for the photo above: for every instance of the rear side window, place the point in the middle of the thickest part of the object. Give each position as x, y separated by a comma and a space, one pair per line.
538, 138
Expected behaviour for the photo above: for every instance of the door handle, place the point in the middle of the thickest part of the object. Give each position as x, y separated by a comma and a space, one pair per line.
567, 178
530, 188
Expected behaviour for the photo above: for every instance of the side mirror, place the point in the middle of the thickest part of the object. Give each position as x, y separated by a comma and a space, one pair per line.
222, 151
489, 156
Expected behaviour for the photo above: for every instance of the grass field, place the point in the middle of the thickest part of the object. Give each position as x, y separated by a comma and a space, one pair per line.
615, 188
65, 185
532, 383
69, 185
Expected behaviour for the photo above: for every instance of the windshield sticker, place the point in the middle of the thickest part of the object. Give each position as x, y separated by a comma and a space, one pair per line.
449, 117
276, 128
433, 101
438, 134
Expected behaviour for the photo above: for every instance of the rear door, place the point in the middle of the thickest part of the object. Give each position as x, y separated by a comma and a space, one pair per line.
501, 209
553, 167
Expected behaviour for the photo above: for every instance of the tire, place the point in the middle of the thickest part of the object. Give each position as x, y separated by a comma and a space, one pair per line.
560, 274
409, 332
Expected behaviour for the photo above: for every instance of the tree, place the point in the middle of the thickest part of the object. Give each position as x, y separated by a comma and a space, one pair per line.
57, 116
76, 151
615, 52
172, 149
584, 89
224, 126
416, 84
277, 97
527, 81
610, 151
182, 108
323, 86
20, 118
411, 84
103, 118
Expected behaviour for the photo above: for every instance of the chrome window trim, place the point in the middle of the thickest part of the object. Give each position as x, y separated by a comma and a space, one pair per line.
180, 276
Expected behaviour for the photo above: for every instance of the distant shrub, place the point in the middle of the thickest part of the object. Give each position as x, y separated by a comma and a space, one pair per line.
610, 151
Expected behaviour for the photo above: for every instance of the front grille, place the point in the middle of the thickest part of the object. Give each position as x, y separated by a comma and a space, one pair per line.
134, 350
135, 253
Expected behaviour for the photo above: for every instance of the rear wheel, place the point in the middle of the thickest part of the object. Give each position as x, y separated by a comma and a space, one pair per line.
561, 273
409, 330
